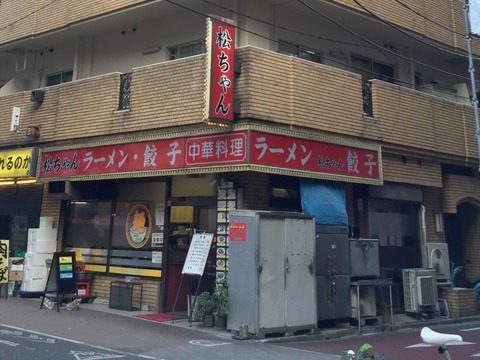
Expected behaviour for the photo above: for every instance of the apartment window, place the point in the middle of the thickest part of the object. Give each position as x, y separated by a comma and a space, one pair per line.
300, 52
185, 50
371, 69
60, 77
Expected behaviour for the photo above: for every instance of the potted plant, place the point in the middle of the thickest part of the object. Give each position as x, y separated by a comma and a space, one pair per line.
220, 301
203, 310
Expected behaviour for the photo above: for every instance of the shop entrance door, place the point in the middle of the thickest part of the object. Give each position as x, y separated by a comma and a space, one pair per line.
185, 220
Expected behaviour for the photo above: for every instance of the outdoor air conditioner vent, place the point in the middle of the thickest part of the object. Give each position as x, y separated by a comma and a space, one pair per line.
419, 290
439, 260
427, 290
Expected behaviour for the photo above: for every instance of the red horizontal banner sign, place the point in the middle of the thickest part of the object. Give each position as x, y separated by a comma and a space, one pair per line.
234, 148
306, 155
178, 153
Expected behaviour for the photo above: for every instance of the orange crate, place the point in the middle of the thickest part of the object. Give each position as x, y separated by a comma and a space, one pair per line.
83, 289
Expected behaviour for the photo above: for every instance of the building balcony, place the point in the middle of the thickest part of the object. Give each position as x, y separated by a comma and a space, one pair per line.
272, 89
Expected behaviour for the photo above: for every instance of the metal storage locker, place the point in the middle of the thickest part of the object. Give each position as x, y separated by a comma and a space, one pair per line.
332, 272
271, 272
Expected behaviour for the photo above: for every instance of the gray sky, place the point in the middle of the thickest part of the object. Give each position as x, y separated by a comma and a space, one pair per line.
475, 16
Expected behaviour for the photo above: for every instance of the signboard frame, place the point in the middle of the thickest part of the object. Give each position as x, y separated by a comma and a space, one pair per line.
62, 277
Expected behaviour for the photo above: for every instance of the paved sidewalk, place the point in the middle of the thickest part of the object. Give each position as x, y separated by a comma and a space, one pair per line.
20, 311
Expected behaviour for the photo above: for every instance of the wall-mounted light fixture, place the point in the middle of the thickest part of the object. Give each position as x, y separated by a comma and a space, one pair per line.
26, 181
15, 123
151, 50
7, 182
439, 223
20, 181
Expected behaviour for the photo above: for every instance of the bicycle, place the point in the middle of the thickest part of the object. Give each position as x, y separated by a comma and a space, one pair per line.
440, 339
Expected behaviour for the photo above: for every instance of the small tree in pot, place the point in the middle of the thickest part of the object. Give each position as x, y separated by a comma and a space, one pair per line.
220, 300
203, 310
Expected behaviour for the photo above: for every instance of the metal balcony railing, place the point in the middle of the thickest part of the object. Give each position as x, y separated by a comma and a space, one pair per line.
367, 98
124, 100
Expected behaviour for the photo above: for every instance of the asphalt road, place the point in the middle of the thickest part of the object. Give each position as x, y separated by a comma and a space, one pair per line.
28, 332
402, 345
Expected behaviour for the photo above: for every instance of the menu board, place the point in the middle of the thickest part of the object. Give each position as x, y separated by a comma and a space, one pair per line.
197, 254
62, 277
226, 201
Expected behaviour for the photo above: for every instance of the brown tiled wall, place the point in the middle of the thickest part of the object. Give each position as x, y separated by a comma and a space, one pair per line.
433, 205
420, 121
446, 12
100, 288
461, 302
457, 188
33, 17
266, 90
411, 170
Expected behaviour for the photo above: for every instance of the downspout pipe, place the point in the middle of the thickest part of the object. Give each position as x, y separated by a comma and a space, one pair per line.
471, 70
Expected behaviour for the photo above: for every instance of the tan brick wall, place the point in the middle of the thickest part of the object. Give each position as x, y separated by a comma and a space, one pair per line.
33, 17
449, 13
404, 117
433, 205
458, 188
411, 170
323, 99
460, 301
151, 299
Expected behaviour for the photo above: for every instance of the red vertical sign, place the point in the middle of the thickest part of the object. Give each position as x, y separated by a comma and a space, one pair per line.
221, 62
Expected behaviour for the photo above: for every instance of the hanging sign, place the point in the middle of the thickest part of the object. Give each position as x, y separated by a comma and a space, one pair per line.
197, 254
4, 261
220, 71
18, 162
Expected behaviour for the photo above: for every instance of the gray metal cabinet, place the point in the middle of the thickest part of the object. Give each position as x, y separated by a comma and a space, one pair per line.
272, 286
332, 272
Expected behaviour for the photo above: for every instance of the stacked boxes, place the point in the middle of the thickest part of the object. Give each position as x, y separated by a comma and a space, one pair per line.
41, 245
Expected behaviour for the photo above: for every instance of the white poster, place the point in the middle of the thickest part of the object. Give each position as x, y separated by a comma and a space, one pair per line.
197, 254
157, 257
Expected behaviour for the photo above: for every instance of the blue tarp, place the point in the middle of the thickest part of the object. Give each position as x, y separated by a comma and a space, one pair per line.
324, 200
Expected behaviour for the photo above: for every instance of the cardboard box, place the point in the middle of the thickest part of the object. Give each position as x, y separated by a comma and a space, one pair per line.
15, 275
15, 264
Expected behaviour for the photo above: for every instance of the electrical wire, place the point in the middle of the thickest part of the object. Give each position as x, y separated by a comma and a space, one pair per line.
428, 19
281, 27
406, 33
381, 47
371, 43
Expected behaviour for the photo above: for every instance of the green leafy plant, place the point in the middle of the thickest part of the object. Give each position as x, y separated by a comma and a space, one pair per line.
203, 306
365, 352
220, 298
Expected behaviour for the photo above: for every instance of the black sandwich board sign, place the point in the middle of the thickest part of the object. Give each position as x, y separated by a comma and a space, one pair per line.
62, 277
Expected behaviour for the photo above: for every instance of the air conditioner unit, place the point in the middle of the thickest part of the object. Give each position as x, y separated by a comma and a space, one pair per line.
439, 260
419, 290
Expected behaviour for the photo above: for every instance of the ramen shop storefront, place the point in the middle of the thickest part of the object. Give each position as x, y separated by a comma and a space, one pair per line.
119, 213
